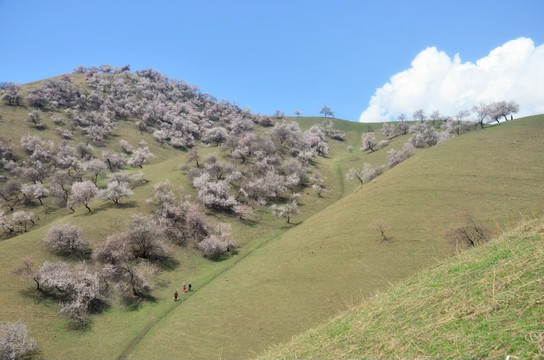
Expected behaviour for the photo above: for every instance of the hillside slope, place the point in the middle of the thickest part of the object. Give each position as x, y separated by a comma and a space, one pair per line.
124, 319
484, 303
334, 258
283, 277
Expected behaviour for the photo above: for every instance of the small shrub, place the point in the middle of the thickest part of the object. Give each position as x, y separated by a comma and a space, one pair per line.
67, 239
15, 342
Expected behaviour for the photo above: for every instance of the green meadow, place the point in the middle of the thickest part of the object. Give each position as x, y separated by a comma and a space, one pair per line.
484, 303
285, 278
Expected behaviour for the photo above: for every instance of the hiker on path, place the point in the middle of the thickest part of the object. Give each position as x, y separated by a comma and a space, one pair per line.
184, 288
190, 286
176, 296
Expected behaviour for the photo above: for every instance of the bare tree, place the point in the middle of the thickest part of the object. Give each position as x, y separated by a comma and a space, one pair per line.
59, 187
27, 269
35, 117
470, 234
326, 111
419, 115
278, 114
462, 114
381, 226
11, 194
317, 180
435, 115
117, 257
116, 249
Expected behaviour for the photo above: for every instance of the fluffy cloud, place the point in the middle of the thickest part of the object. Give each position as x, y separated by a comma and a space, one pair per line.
513, 71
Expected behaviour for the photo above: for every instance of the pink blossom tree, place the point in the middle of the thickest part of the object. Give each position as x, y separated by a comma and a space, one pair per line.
82, 193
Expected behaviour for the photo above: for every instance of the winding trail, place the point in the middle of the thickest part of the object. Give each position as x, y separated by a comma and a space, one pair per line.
152, 324
123, 356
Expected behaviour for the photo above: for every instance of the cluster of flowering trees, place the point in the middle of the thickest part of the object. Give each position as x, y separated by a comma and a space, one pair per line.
424, 134
489, 112
121, 265
126, 262
246, 171
68, 174
259, 170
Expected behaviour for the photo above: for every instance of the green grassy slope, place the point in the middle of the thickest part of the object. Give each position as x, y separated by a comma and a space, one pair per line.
334, 258
277, 285
484, 303
111, 332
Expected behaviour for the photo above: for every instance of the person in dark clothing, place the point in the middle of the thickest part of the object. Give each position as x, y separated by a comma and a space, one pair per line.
176, 296
190, 286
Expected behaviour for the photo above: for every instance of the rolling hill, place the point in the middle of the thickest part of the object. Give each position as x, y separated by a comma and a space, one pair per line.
335, 259
284, 278
484, 303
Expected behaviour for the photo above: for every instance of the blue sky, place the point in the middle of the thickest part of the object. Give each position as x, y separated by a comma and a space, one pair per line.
266, 55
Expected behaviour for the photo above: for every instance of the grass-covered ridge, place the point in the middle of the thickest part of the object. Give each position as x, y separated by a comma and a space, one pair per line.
284, 277
483, 303
334, 259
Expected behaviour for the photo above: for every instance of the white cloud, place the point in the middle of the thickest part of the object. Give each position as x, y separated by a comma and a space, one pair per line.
513, 71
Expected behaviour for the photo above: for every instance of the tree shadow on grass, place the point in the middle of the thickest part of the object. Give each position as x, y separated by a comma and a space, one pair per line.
41, 297
168, 264
125, 205
249, 222
133, 303
80, 325
111, 205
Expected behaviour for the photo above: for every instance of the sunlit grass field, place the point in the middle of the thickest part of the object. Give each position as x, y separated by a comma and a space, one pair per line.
335, 259
484, 303
285, 278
